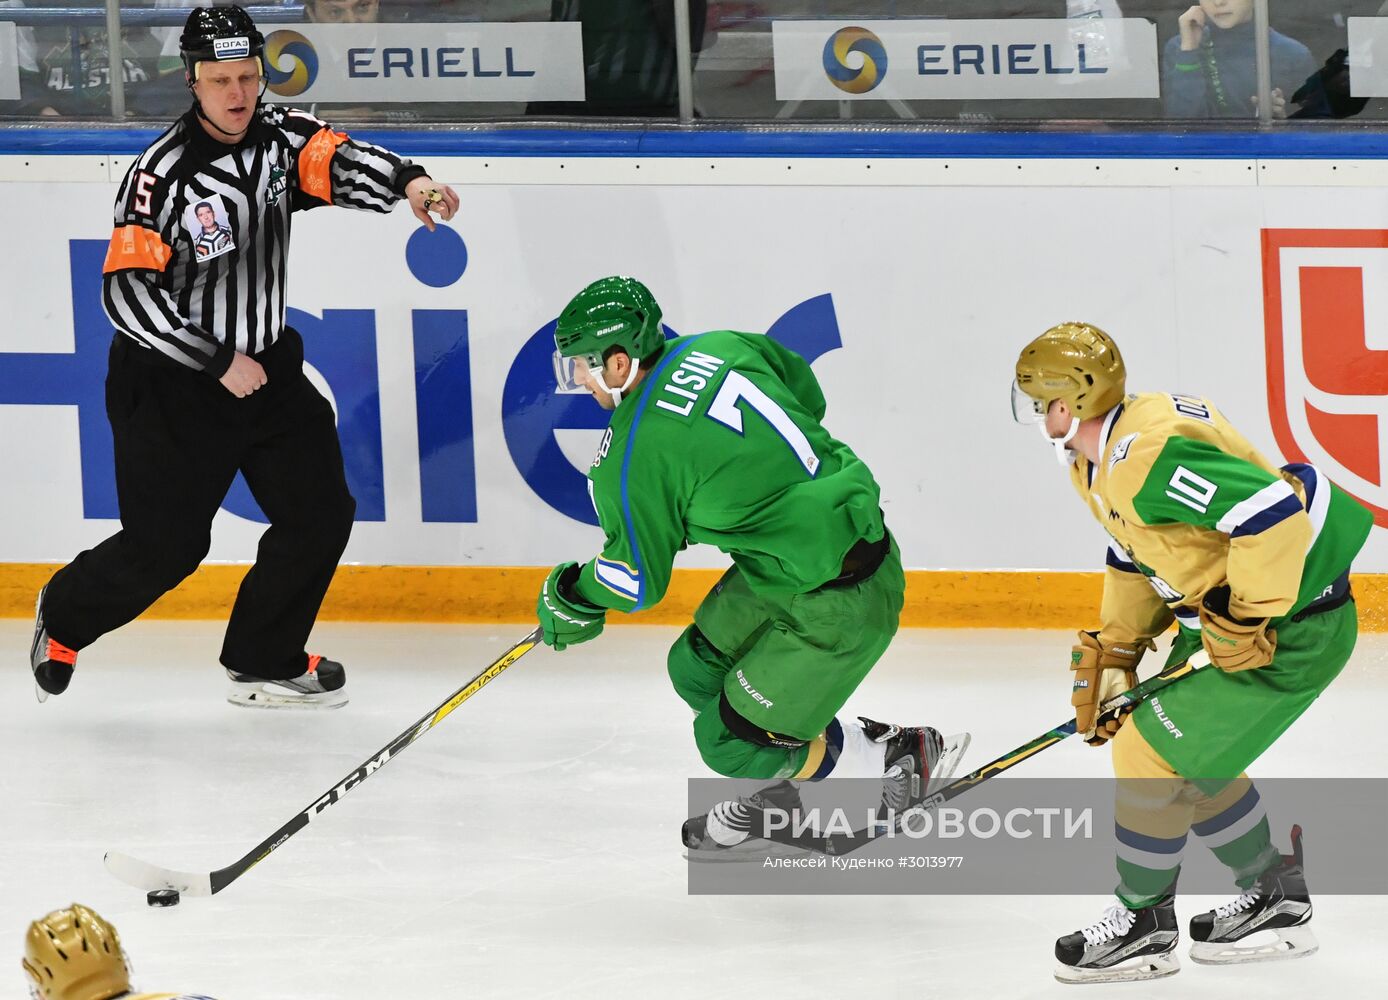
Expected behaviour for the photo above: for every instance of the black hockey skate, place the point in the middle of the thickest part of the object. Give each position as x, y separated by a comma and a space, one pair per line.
321, 686
1278, 903
51, 661
1123, 945
918, 760
724, 833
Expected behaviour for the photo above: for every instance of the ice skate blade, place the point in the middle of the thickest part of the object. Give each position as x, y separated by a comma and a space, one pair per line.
955, 747
40, 693
254, 696
1290, 942
751, 849
1134, 970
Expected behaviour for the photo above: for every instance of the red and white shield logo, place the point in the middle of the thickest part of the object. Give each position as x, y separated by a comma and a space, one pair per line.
1325, 307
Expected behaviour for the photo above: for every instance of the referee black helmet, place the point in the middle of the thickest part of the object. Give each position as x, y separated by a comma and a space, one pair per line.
219, 34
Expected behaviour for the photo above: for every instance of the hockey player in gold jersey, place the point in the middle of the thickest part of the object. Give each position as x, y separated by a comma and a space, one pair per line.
75, 954
1252, 562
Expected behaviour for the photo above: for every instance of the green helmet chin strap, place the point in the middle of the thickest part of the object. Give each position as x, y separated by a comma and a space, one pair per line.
611, 312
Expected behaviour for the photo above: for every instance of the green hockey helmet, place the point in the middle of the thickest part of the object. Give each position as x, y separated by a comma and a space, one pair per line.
611, 312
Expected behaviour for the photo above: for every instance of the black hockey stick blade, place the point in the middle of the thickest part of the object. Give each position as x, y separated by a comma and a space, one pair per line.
847, 843
148, 877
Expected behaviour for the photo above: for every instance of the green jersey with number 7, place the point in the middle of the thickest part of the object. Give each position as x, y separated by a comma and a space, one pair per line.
722, 444
717, 438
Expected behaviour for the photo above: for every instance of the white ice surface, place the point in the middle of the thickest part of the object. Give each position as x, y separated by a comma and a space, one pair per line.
529, 846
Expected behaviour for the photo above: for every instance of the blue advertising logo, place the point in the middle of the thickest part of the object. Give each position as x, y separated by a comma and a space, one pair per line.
532, 409
871, 64
341, 345
302, 69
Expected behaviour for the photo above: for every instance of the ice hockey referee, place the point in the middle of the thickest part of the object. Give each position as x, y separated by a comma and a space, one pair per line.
206, 379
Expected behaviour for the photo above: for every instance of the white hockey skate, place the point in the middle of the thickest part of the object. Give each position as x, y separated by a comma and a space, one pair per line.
1269, 922
917, 760
1121, 946
322, 686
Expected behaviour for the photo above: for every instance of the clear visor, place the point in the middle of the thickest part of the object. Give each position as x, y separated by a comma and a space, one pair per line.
572, 374
1026, 409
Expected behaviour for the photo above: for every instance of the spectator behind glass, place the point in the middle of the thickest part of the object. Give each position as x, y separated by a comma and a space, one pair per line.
731, 84
1209, 70
342, 11
1322, 26
64, 68
628, 56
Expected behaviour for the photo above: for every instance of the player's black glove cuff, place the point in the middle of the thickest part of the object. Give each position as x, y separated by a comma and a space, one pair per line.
1216, 601
566, 585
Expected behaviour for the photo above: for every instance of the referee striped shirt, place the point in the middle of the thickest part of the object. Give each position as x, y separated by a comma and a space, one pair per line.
196, 269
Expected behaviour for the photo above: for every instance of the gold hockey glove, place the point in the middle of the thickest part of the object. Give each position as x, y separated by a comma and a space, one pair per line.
1234, 643
1102, 670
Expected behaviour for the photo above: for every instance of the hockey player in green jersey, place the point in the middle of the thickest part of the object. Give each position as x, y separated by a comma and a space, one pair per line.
717, 439
75, 954
1252, 563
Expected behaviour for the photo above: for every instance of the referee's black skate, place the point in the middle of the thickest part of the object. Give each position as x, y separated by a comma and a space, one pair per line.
51, 661
323, 685
724, 833
1121, 946
1270, 921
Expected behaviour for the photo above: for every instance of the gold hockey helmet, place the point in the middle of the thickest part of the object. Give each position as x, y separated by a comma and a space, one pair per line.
74, 954
1076, 363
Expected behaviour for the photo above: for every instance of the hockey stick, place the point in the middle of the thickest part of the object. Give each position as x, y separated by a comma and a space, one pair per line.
145, 876
848, 842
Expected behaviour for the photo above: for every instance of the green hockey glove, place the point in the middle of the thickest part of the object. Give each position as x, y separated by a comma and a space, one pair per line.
565, 618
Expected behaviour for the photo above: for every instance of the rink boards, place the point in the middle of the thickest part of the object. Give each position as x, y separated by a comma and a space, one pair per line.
910, 281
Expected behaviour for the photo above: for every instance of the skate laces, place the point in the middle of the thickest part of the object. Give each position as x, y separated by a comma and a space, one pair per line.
896, 784
313, 660
1237, 906
765, 798
59, 653
1116, 921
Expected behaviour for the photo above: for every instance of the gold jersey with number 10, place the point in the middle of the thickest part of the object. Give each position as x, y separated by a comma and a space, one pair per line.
1191, 505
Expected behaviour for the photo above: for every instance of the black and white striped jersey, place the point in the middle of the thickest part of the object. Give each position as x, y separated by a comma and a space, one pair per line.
196, 269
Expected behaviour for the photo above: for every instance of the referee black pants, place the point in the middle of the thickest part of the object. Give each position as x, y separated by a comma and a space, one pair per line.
180, 439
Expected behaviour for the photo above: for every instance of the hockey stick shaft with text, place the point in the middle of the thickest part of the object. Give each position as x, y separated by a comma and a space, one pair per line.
846, 843
148, 877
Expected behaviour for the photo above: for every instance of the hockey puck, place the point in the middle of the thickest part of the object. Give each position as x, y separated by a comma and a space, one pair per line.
162, 897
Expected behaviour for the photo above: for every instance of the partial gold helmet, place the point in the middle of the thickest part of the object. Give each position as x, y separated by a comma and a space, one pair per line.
1076, 363
75, 954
